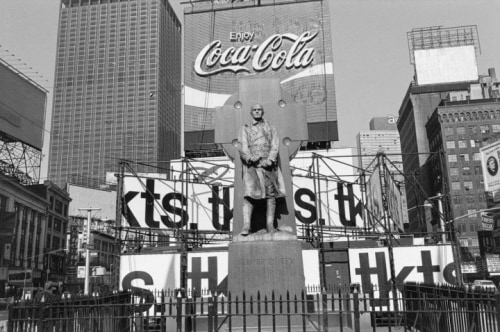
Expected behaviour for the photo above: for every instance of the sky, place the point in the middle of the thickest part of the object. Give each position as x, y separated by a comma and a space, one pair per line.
370, 50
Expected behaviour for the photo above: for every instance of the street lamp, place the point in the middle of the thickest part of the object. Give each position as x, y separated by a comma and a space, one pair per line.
439, 198
454, 245
424, 225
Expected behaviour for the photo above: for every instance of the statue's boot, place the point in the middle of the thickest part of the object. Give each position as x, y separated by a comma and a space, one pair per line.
247, 217
270, 212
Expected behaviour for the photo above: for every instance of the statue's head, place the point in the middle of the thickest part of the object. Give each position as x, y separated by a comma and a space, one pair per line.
257, 112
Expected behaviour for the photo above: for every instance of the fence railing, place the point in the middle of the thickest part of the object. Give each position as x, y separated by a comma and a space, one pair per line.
416, 308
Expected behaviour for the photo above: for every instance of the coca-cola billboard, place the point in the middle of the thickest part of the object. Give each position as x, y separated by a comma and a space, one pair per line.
279, 39
267, 55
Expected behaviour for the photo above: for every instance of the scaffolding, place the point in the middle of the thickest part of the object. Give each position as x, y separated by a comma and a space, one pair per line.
439, 37
19, 160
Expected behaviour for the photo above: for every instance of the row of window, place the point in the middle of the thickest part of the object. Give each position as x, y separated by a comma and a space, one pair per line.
453, 158
469, 242
466, 170
469, 198
464, 228
472, 130
468, 185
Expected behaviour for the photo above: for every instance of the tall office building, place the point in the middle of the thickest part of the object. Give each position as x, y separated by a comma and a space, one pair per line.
117, 89
457, 130
382, 136
436, 77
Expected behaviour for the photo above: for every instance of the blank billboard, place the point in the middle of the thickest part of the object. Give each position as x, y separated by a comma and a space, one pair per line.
22, 108
446, 65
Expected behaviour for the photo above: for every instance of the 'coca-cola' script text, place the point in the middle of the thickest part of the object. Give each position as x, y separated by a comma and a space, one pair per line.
213, 60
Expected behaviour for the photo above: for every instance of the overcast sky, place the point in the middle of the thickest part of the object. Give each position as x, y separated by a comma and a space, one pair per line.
371, 60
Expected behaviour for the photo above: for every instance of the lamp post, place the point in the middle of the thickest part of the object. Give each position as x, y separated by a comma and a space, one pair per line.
439, 197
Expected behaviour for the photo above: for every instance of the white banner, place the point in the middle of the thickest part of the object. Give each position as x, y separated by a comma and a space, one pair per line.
167, 204
490, 161
151, 272
425, 264
205, 270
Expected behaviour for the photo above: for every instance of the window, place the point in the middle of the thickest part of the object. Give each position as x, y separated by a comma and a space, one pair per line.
466, 170
485, 129
3, 203
477, 170
472, 143
472, 228
448, 131
464, 157
460, 130
462, 144
454, 171
468, 185
57, 225
471, 212
450, 144
452, 158
476, 156
455, 185
58, 207
495, 128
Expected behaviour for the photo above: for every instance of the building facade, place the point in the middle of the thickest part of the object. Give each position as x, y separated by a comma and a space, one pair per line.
279, 39
383, 136
117, 88
373, 141
55, 250
456, 132
435, 79
33, 222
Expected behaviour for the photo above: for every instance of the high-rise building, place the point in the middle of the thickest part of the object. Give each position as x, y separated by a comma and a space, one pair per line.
117, 89
435, 79
280, 39
383, 136
456, 131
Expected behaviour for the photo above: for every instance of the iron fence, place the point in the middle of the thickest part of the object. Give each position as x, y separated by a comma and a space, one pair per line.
416, 308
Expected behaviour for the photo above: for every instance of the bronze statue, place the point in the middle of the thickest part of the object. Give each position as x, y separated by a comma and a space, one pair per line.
262, 178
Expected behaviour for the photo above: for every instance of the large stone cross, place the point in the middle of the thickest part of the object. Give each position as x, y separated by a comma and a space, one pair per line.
281, 111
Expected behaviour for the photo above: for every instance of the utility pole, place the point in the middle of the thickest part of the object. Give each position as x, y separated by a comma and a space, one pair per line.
87, 249
118, 225
439, 198
388, 225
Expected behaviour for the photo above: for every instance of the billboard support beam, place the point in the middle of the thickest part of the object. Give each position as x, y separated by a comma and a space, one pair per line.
19, 160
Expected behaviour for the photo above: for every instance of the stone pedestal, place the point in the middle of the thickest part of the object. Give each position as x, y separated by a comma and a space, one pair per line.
263, 267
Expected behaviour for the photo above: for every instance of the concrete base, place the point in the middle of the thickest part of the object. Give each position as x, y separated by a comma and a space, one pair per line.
259, 268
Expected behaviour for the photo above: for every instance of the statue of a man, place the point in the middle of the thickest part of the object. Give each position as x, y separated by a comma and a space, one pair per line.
262, 178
